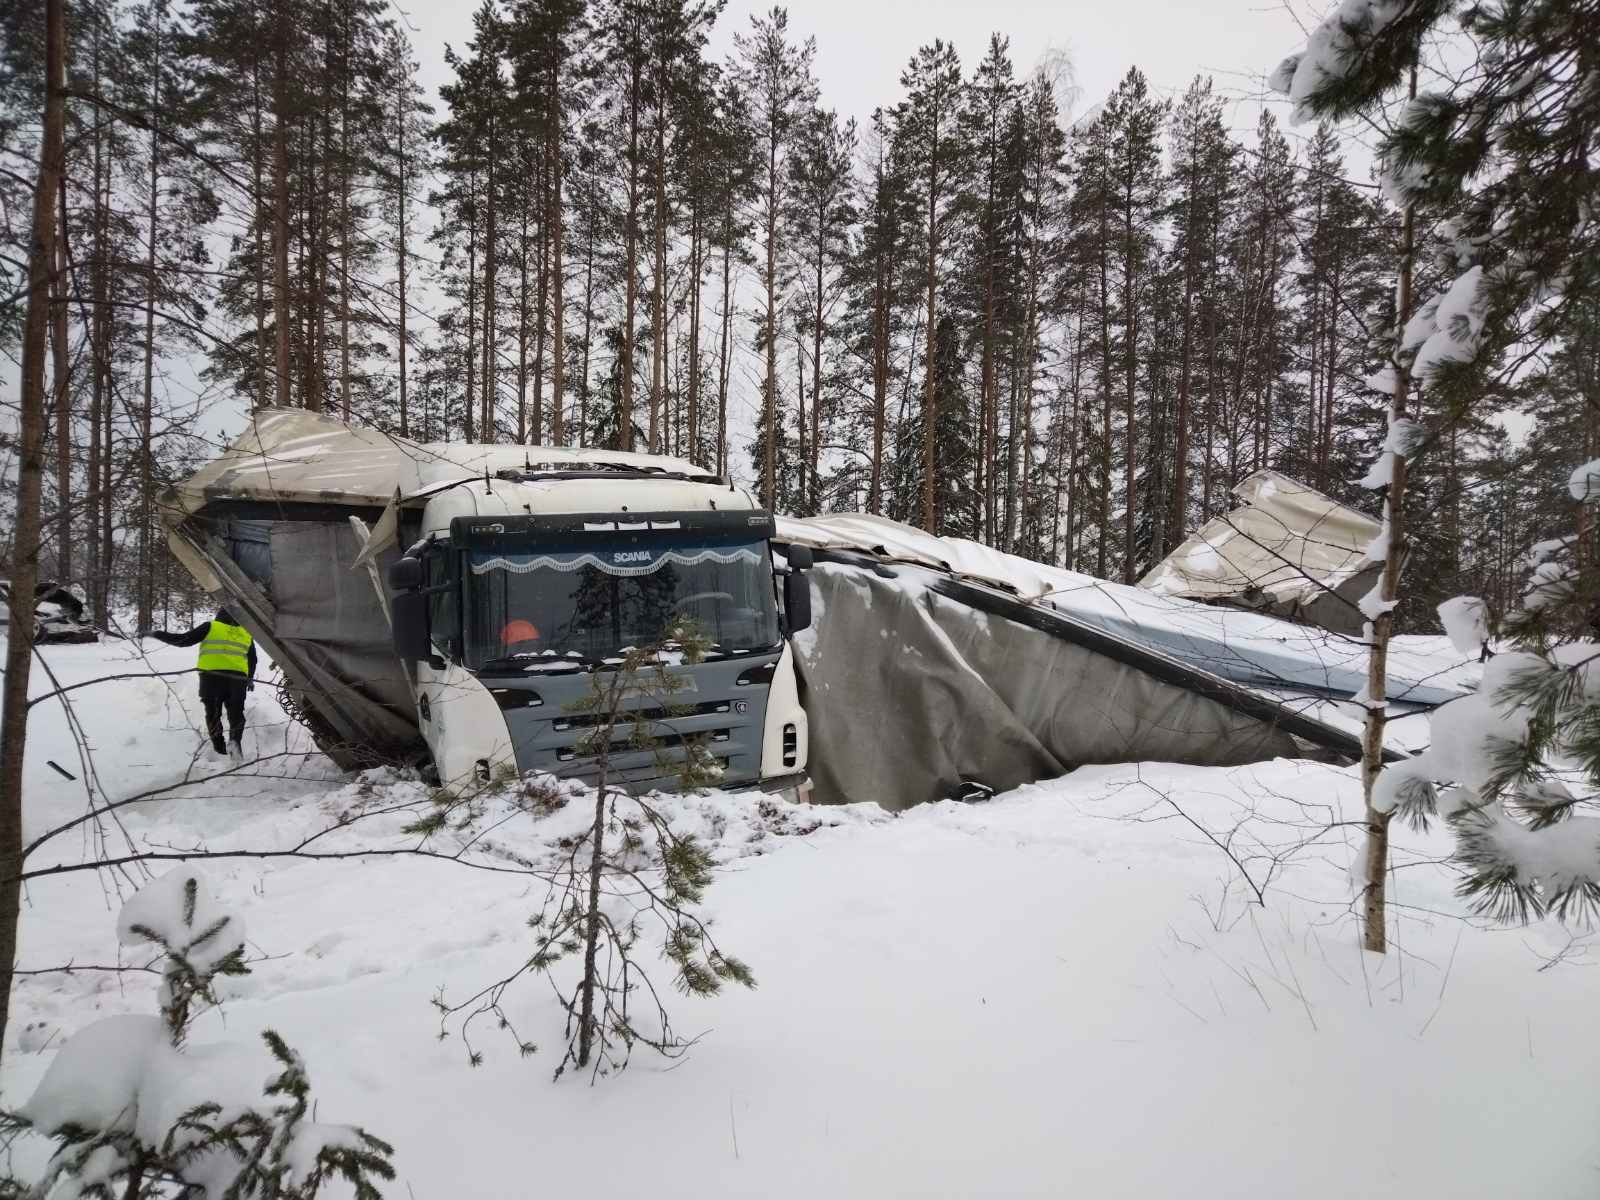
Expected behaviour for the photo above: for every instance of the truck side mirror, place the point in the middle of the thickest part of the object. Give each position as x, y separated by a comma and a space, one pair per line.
409, 618
800, 557
405, 574
797, 600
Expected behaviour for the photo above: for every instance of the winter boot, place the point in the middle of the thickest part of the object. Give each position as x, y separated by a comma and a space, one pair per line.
236, 752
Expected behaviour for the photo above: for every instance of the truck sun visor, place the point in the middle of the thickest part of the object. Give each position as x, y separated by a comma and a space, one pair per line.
642, 559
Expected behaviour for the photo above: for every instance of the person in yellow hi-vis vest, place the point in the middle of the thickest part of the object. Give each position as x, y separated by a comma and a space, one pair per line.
227, 672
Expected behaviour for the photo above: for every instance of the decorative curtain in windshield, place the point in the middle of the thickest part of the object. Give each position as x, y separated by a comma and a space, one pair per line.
589, 602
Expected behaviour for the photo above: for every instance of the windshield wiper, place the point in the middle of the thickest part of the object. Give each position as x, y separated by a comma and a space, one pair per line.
717, 653
552, 660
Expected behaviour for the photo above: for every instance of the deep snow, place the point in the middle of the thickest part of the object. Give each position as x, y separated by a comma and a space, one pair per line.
1066, 990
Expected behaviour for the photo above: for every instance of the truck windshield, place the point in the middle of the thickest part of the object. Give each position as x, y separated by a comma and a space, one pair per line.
585, 602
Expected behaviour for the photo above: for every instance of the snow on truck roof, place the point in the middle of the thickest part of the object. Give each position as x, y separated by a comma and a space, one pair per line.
294, 456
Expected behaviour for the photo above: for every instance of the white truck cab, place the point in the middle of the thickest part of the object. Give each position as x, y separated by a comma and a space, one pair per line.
518, 586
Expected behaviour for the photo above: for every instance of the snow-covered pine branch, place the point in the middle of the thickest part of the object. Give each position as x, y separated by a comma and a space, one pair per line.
1512, 752
1502, 149
138, 1113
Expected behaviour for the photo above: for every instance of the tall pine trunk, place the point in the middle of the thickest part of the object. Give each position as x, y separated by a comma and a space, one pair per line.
401, 234
658, 301
26, 531
558, 280
469, 414
280, 201
630, 265
541, 301
1374, 897
1105, 395
588, 331
344, 220
146, 570
769, 383
813, 480
1130, 366
522, 325
63, 402
881, 314
486, 421
696, 278
99, 374
723, 359
258, 221
930, 403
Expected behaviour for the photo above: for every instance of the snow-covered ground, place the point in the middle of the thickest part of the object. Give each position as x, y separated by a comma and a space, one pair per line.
1068, 990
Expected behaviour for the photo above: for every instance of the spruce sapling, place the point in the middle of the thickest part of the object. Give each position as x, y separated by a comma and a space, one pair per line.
629, 872
136, 1116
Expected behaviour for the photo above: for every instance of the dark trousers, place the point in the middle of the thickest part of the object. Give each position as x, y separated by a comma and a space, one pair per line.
219, 690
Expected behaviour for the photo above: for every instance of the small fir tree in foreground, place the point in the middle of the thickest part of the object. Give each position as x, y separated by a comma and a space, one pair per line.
136, 1116
629, 874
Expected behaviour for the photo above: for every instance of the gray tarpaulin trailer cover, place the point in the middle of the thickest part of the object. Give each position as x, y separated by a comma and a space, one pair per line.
931, 663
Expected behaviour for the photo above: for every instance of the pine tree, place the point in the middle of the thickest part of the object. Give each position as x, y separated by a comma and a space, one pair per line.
404, 162
876, 313
1091, 254
1133, 121
820, 216
989, 206
1037, 156
1260, 245
1203, 162
927, 132
775, 77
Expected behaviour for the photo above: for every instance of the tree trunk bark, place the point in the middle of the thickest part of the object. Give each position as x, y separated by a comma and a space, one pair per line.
280, 205
344, 223
30, 480
658, 283
1374, 896
813, 483
769, 384
469, 413
99, 385
542, 286
591, 931
723, 359
487, 424
631, 267
63, 402
146, 454
696, 276
930, 403
522, 326
800, 415
1105, 397
588, 330
402, 151
880, 378
1130, 361
558, 279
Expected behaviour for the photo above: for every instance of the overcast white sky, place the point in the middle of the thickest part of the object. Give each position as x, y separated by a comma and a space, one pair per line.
862, 45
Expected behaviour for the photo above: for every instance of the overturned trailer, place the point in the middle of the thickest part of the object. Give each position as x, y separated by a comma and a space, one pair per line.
891, 665
936, 666
1287, 550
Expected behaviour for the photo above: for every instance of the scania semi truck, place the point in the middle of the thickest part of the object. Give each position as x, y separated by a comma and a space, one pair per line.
454, 603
